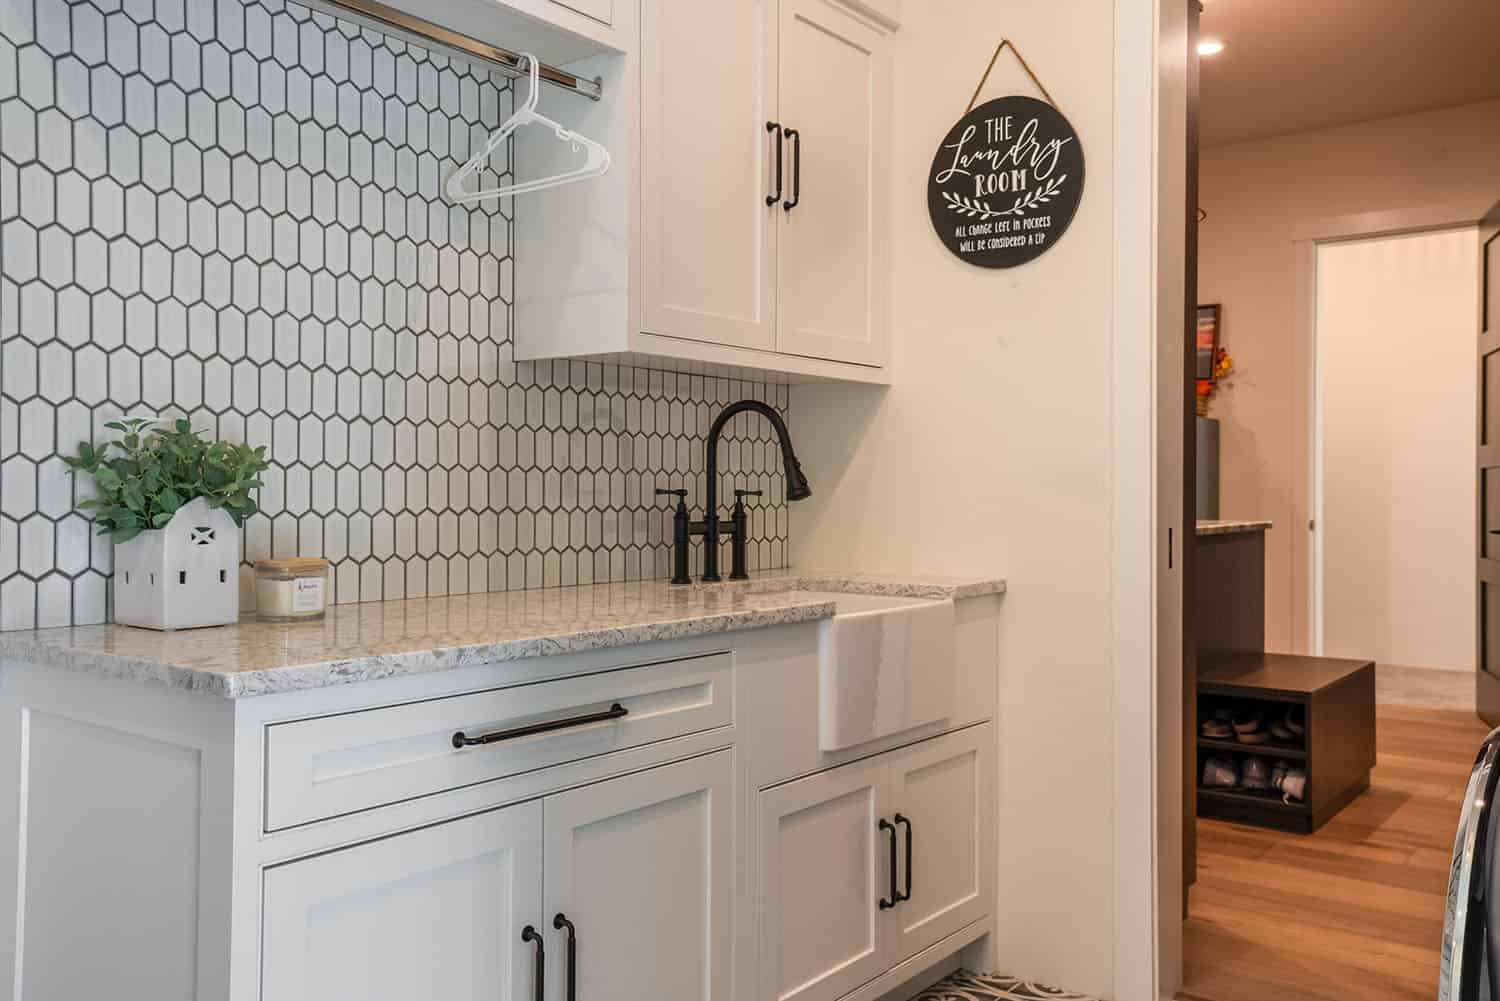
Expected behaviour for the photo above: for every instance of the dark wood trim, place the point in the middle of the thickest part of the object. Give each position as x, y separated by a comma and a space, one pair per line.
1189, 531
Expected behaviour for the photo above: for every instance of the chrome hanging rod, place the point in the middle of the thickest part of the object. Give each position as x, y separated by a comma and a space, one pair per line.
386, 18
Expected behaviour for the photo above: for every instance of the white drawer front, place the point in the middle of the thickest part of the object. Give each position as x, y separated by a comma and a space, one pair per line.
333, 765
600, 10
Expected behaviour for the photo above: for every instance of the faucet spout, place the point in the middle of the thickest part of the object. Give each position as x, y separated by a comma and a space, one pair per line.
797, 487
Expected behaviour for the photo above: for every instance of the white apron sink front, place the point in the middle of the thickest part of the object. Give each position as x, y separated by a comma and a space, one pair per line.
885, 665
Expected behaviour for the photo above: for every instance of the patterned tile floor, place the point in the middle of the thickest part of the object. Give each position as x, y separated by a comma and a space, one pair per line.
965, 986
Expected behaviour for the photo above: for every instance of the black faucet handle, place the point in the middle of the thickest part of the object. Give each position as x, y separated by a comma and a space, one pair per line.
680, 494
748, 493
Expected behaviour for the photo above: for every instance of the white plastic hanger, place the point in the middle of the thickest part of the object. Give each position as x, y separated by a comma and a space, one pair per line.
595, 164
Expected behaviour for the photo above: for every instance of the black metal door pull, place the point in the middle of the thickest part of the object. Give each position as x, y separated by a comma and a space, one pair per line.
906, 895
885, 905
796, 140
776, 128
615, 711
538, 977
561, 922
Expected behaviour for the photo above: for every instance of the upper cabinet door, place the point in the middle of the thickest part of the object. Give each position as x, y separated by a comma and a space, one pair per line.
642, 866
708, 81
433, 913
824, 870
942, 795
836, 93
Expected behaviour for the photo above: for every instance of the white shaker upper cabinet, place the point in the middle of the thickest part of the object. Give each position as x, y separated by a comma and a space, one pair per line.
708, 82
432, 913
835, 95
643, 868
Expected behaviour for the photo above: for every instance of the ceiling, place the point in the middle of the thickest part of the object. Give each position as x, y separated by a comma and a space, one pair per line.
1294, 65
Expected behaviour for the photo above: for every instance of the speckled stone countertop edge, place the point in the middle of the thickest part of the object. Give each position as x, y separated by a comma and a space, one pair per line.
372, 667
376, 640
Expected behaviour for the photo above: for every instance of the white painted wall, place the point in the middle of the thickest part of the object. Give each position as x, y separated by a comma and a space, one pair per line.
1394, 452
993, 453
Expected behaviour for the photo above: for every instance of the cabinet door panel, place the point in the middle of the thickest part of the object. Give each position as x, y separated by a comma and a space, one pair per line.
835, 91
433, 913
642, 866
708, 80
944, 788
824, 866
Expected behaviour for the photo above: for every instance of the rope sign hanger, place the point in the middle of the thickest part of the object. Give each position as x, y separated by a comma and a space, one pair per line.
1006, 43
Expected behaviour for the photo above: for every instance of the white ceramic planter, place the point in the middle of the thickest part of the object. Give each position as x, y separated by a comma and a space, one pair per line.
183, 576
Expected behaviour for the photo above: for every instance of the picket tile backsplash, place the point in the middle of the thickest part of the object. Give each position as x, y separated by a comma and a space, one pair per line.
232, 210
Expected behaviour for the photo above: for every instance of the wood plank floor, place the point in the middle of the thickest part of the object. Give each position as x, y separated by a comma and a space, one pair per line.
1354, 911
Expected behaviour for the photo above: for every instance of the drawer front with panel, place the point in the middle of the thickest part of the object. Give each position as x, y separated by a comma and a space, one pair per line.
333, 765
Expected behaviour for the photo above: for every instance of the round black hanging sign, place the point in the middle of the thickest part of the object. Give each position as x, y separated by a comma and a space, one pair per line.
1005, 182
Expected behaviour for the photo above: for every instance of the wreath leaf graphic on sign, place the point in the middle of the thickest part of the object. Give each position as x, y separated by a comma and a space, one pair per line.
974, 208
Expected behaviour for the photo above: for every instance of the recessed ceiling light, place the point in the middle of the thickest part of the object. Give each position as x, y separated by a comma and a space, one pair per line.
1210, 47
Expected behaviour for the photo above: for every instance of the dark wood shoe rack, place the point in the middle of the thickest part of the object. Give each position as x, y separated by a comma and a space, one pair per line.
1233, 671
1337, 749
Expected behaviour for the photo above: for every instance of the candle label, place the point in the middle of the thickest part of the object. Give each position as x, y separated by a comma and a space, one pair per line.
307, 594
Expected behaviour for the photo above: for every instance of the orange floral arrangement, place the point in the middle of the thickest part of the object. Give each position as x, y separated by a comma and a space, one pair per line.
1207, 388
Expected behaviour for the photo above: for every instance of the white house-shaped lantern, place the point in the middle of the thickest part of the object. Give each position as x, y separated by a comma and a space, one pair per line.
183, 576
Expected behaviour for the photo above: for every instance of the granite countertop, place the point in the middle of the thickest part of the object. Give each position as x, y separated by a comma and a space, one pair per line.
1231, 527
382, 639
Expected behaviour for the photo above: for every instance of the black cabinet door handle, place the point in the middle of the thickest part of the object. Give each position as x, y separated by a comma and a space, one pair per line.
539, 976
560, 922
796, 139
461, 739
906, 894
885, 905
776, 128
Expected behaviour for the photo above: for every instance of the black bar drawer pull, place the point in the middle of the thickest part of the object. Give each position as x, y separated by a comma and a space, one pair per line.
538, 977
560, 922
885, 905
616, 711
906, 894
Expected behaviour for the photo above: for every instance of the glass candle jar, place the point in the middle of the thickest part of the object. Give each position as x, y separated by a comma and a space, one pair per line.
293, 590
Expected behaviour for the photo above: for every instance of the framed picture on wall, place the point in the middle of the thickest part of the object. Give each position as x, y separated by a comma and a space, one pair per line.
1208, 340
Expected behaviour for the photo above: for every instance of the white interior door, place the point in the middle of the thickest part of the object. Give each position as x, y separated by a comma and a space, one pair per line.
708, 80
835, 93
824, 868
1394, 441
942, 800
433, 913
643, 868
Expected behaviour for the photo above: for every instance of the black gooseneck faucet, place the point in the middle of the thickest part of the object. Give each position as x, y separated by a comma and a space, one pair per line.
797, 487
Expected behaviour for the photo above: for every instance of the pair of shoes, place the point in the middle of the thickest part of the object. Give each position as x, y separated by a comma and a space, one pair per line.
1255, 774
1220, 773
1292, 782
1291, 728
1248, 729
1216, 729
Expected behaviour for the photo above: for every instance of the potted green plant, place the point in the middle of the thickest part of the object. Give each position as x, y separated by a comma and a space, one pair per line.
174, 504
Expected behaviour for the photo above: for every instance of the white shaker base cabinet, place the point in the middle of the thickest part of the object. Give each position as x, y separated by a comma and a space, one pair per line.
392, 839
840, 904
432, 913
640, 865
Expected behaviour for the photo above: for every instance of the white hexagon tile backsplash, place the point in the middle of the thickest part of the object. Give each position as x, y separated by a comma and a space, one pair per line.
232, 210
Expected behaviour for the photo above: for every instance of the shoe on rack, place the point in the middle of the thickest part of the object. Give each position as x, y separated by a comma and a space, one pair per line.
1293, 785
1217, 729
1255, 774
1220, 773
1249, 729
